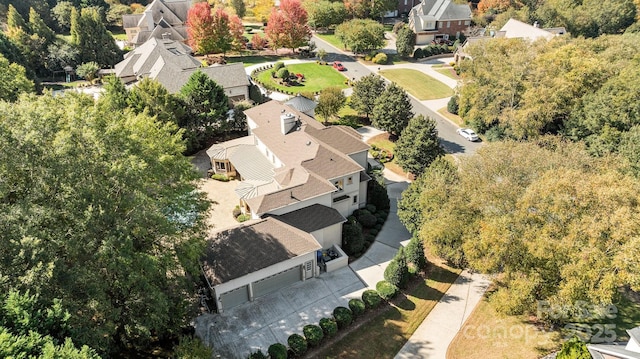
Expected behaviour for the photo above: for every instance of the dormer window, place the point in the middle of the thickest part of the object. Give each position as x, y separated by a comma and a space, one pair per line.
339, 184
350, 180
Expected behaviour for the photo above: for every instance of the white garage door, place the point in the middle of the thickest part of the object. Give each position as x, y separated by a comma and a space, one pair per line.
234, 298
276, 281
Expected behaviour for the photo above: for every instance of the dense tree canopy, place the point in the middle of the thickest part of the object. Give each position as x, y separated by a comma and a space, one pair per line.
325, 13
330, 101
550, 221
365, 92
287, 26
200, 28
418, 145
98, 210
93, 41
360, 35
405, 41
13, 80
392, 110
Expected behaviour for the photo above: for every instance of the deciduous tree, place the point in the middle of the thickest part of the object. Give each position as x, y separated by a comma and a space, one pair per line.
365, 92
200, 28
13, 80
418, 145
239, 7
392, 110
330, 101
360, 35
405, 41
287, 27
325, 13
92, 39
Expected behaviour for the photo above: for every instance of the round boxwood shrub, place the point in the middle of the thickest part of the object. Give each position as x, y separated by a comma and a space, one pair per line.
373, 232
243, 218
418, 54
369, 238
352, 238
357, 307
367, 220
386, 290
329, 326
313, 333
257, 355
371, 298
371, 208
380, 59
397, 271
414, 253
452, 105
277, 351
343, 316
278, 65
283, 73
298, 344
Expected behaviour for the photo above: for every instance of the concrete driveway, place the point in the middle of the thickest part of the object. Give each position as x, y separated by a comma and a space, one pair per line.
272, 318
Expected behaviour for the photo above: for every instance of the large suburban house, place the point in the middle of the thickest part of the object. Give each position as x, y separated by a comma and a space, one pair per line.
513, 29
298, 180
628, 350
170, 63
162, 19
438, 19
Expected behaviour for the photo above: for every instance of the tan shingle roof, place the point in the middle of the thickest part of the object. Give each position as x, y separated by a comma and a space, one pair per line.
342, 138
239, 251
312, 218
329, 164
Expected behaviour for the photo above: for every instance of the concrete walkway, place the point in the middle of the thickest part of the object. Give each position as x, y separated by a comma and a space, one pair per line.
432, 338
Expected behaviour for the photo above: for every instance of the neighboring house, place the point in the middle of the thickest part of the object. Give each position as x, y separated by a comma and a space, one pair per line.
170, 63
162, 19
438, 19
511, 30
629, 350
405, 6
299, 180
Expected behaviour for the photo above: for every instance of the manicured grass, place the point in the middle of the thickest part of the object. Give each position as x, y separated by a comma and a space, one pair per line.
448, 71
418, 84
256, 59
385, 334
517, 337
454, 118
317, 77
332, 39
503, 336
121, 37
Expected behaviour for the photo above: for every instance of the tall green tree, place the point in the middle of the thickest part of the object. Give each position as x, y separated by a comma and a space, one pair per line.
239, 7
360, 35
418, 145
330, 101
92, 39
392, 110
149, 95
325, 13
207, 107
365, 92
61, 13
112, 225
38, 27
13, 80
405, 41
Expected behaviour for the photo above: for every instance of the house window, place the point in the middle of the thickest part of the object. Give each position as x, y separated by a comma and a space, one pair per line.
459, 22
440, 25
467, 22
405, 2
339, 184
448, 24
355, 199
350, 180
220, 166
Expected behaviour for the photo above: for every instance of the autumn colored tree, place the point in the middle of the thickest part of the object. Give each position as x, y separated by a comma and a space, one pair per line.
222, 40
236, 29
200, 28
262, 9
288, 26
258, 42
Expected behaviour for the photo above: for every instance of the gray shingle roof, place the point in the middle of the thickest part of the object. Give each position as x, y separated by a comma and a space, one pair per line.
139, 62
239, 251
302, 104
227, 76
312, 218
342, 138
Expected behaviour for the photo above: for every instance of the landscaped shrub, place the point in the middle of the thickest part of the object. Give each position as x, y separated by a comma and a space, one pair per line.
257, 355
297, 343
397, 272
380, 59
398, 26
313, 333
374, 232
278, 65
452, 105
371, 208
283, 73
277, 351
243, 218
371, 298
220, 177
369, 238
236, 212
343, 316
367, 220
329, 326
377, 192
386, 290
357, 307
414, 254
418, 54
352, 238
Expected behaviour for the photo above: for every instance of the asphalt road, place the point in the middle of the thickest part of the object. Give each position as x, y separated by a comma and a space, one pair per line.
451, 141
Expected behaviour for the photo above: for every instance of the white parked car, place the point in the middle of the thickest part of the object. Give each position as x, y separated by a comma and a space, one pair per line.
468, 134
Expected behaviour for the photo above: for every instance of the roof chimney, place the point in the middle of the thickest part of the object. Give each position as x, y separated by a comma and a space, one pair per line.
287, 122
148, 14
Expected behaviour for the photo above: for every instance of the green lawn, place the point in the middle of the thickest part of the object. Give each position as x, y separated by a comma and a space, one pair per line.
454, 118
383, 142
256, 59
332, 39
387, 332
448, 71
418, 84
317, 77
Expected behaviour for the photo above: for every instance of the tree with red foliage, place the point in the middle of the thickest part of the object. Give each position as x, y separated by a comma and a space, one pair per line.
236, 29
258, 42
221, 31
288, 26
199, 28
